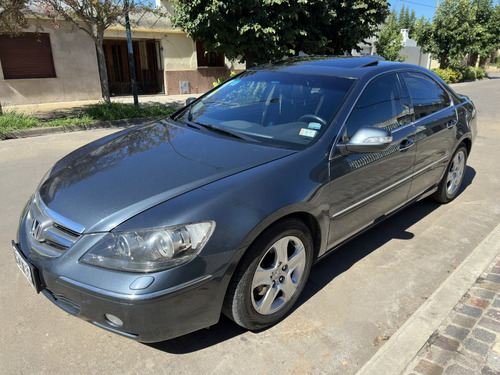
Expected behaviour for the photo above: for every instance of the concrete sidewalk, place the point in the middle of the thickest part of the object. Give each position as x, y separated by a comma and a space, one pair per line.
457, 330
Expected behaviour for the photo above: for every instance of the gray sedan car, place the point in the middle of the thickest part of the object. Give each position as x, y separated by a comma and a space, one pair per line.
154, 231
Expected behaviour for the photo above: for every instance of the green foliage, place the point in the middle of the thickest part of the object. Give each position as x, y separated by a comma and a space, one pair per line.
10, 121
257, 31
117, 111
480, 73
448, 75
389, 40
407, 20
460, 73
460, 26
469, 73
222, 79
487, 28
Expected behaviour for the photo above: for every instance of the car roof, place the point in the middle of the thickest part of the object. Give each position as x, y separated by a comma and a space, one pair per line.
339, 66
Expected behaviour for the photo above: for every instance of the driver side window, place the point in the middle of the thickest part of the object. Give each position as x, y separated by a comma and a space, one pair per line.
380, 105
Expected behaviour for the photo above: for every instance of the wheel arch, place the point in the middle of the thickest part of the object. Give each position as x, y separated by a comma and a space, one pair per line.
307, 218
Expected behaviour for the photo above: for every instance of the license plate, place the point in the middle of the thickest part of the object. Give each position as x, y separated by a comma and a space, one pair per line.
27, 269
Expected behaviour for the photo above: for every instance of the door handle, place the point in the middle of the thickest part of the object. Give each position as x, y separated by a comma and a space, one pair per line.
450, 124
406, 144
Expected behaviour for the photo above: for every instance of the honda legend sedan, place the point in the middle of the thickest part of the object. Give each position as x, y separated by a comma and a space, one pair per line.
155, 231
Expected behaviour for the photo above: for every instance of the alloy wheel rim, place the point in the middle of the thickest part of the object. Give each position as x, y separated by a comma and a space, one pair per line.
279, 274
455, 173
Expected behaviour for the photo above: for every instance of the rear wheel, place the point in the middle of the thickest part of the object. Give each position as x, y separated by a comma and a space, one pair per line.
452, 180
271, 276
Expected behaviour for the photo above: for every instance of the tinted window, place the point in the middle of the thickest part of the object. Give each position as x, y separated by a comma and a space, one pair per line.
427, 96
380, 105
283, 109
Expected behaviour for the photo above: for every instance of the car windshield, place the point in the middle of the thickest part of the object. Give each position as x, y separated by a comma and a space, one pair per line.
280, 109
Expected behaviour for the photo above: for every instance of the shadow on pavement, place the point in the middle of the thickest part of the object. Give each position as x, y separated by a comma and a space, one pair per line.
323, 273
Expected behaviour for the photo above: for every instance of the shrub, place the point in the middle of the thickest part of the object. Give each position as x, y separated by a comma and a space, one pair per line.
449, 75
118, 111
469, 73
480, 73
222, 79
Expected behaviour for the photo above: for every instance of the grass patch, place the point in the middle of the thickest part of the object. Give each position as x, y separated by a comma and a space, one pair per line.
119, 111
11, 121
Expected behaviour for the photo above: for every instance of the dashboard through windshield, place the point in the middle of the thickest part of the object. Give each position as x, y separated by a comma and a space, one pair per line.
282, 109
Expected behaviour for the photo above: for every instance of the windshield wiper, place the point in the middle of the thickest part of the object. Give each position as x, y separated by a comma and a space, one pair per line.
228, 133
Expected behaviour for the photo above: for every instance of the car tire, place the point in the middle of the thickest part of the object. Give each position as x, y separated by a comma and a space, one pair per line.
271, 275
452, 180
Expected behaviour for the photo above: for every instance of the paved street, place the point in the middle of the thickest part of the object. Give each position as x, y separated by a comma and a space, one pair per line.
356, 299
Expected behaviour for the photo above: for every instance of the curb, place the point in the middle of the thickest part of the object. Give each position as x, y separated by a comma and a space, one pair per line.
394, 356
35, 132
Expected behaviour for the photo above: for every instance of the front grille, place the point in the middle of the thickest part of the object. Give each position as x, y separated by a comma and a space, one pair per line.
49, 233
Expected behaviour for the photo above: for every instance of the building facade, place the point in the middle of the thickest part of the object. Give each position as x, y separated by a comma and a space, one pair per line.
59, 64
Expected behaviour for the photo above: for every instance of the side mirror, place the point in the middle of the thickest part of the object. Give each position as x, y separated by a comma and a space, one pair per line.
367, 139
189, 101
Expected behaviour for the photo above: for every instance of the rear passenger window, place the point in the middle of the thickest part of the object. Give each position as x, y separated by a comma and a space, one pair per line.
427, 96
380, 105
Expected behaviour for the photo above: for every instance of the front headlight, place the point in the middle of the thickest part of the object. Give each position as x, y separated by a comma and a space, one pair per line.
150, 250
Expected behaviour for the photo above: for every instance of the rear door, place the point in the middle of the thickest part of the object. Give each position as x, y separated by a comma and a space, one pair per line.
436, 130
367, 186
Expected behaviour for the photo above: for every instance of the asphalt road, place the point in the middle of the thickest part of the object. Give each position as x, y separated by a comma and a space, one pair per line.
364, 291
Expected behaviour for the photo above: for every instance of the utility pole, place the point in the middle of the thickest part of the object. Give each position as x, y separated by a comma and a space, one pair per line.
130, 49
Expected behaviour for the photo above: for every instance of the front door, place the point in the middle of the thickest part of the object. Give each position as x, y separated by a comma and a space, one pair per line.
365, 187
435, 122
147, 67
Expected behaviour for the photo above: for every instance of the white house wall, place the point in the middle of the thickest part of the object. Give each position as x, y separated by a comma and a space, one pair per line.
77, 75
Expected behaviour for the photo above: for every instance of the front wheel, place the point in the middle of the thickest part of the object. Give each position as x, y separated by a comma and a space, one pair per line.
452, 180
271, 276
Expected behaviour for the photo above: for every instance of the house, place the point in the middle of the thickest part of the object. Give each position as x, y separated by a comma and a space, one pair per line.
59, 64
414, 53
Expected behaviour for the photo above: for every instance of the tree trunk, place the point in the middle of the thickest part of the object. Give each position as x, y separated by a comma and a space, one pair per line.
473, 59
103, 71
249, 59
482, 61
443, 59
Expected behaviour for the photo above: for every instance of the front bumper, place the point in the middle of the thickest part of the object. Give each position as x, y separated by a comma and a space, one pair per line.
149, 307
149, 317
146, 317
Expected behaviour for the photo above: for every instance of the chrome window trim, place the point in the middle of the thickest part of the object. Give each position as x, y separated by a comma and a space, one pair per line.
398, 72
375, 195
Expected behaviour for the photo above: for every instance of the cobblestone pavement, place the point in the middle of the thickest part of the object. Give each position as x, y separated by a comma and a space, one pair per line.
468, 340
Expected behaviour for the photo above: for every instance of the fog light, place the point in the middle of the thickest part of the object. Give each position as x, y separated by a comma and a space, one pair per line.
113, 320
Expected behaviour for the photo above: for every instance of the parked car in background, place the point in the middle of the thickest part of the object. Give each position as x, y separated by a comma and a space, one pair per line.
153, 231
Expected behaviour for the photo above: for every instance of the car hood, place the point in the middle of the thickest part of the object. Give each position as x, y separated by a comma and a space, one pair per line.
106, 182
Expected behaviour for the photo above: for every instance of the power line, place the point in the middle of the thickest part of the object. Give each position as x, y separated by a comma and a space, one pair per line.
423, 5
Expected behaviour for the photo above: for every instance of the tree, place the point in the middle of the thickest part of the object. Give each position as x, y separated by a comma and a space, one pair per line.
389, 41
488, 31
460, 27
407, 20
91, 16
258, 31
12, 17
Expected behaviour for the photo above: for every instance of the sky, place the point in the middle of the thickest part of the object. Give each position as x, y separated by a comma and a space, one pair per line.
425, 8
